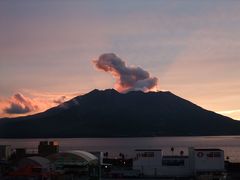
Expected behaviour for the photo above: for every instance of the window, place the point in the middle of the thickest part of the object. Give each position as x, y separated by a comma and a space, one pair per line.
214, 154
173, 162
146, 154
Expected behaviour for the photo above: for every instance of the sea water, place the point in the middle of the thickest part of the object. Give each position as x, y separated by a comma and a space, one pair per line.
115, 146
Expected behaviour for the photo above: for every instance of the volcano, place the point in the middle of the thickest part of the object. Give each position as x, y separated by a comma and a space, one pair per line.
108, 113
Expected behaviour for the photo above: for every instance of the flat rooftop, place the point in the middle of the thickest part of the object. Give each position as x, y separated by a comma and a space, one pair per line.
208, 149
148, 150
174, 157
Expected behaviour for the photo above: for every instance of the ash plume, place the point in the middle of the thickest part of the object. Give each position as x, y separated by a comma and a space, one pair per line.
127, 78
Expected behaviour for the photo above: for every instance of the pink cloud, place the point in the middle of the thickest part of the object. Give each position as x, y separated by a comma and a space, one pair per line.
19, 104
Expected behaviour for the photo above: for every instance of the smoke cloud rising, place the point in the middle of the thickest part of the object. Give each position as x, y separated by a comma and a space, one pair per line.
60, 100
127, 78
20, 104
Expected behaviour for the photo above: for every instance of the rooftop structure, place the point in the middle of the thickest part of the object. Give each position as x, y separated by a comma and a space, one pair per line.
5, 152
34, 167
72, 158
46, 148
79, 162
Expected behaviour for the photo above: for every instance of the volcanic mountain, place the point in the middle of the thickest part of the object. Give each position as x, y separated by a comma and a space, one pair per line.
109, 113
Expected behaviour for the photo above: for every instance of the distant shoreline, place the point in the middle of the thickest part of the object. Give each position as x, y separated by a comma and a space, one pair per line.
120, 137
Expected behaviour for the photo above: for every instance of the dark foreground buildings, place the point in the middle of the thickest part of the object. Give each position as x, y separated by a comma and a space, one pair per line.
50, 164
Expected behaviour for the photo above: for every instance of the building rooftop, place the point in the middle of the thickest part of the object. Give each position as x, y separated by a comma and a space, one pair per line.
208, 149
175, 157
148, 150
85, 155
40, 160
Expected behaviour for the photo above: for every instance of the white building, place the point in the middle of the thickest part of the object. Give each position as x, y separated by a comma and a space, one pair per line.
148, 161
177, 166
206, 160
152, 162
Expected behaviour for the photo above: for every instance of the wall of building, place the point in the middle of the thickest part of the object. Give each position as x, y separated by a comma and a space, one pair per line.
175, 166
206, 160
148, 162
153, 163
5, 152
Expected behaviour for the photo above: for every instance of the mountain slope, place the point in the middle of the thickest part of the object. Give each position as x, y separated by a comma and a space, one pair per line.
111, 114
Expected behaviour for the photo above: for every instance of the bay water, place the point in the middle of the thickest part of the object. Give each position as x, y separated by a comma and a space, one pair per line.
115, 146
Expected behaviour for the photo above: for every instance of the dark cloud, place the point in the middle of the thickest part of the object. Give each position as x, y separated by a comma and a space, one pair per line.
20, 104
127, 78
17, 109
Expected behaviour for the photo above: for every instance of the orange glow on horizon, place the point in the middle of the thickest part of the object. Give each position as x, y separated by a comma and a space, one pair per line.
39, 102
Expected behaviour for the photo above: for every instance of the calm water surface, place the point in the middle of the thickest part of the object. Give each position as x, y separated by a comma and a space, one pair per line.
230, 144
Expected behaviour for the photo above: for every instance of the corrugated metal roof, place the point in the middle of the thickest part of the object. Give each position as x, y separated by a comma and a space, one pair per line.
85, 155
40, 160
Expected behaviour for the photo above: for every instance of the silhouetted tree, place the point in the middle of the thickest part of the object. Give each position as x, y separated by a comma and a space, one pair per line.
121, 155
172, 149
181, 152
227, 158
105, 154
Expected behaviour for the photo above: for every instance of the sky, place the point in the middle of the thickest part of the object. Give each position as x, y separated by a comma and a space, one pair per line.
47, 50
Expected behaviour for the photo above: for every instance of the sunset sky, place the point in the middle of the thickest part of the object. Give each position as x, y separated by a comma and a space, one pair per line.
47, 50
